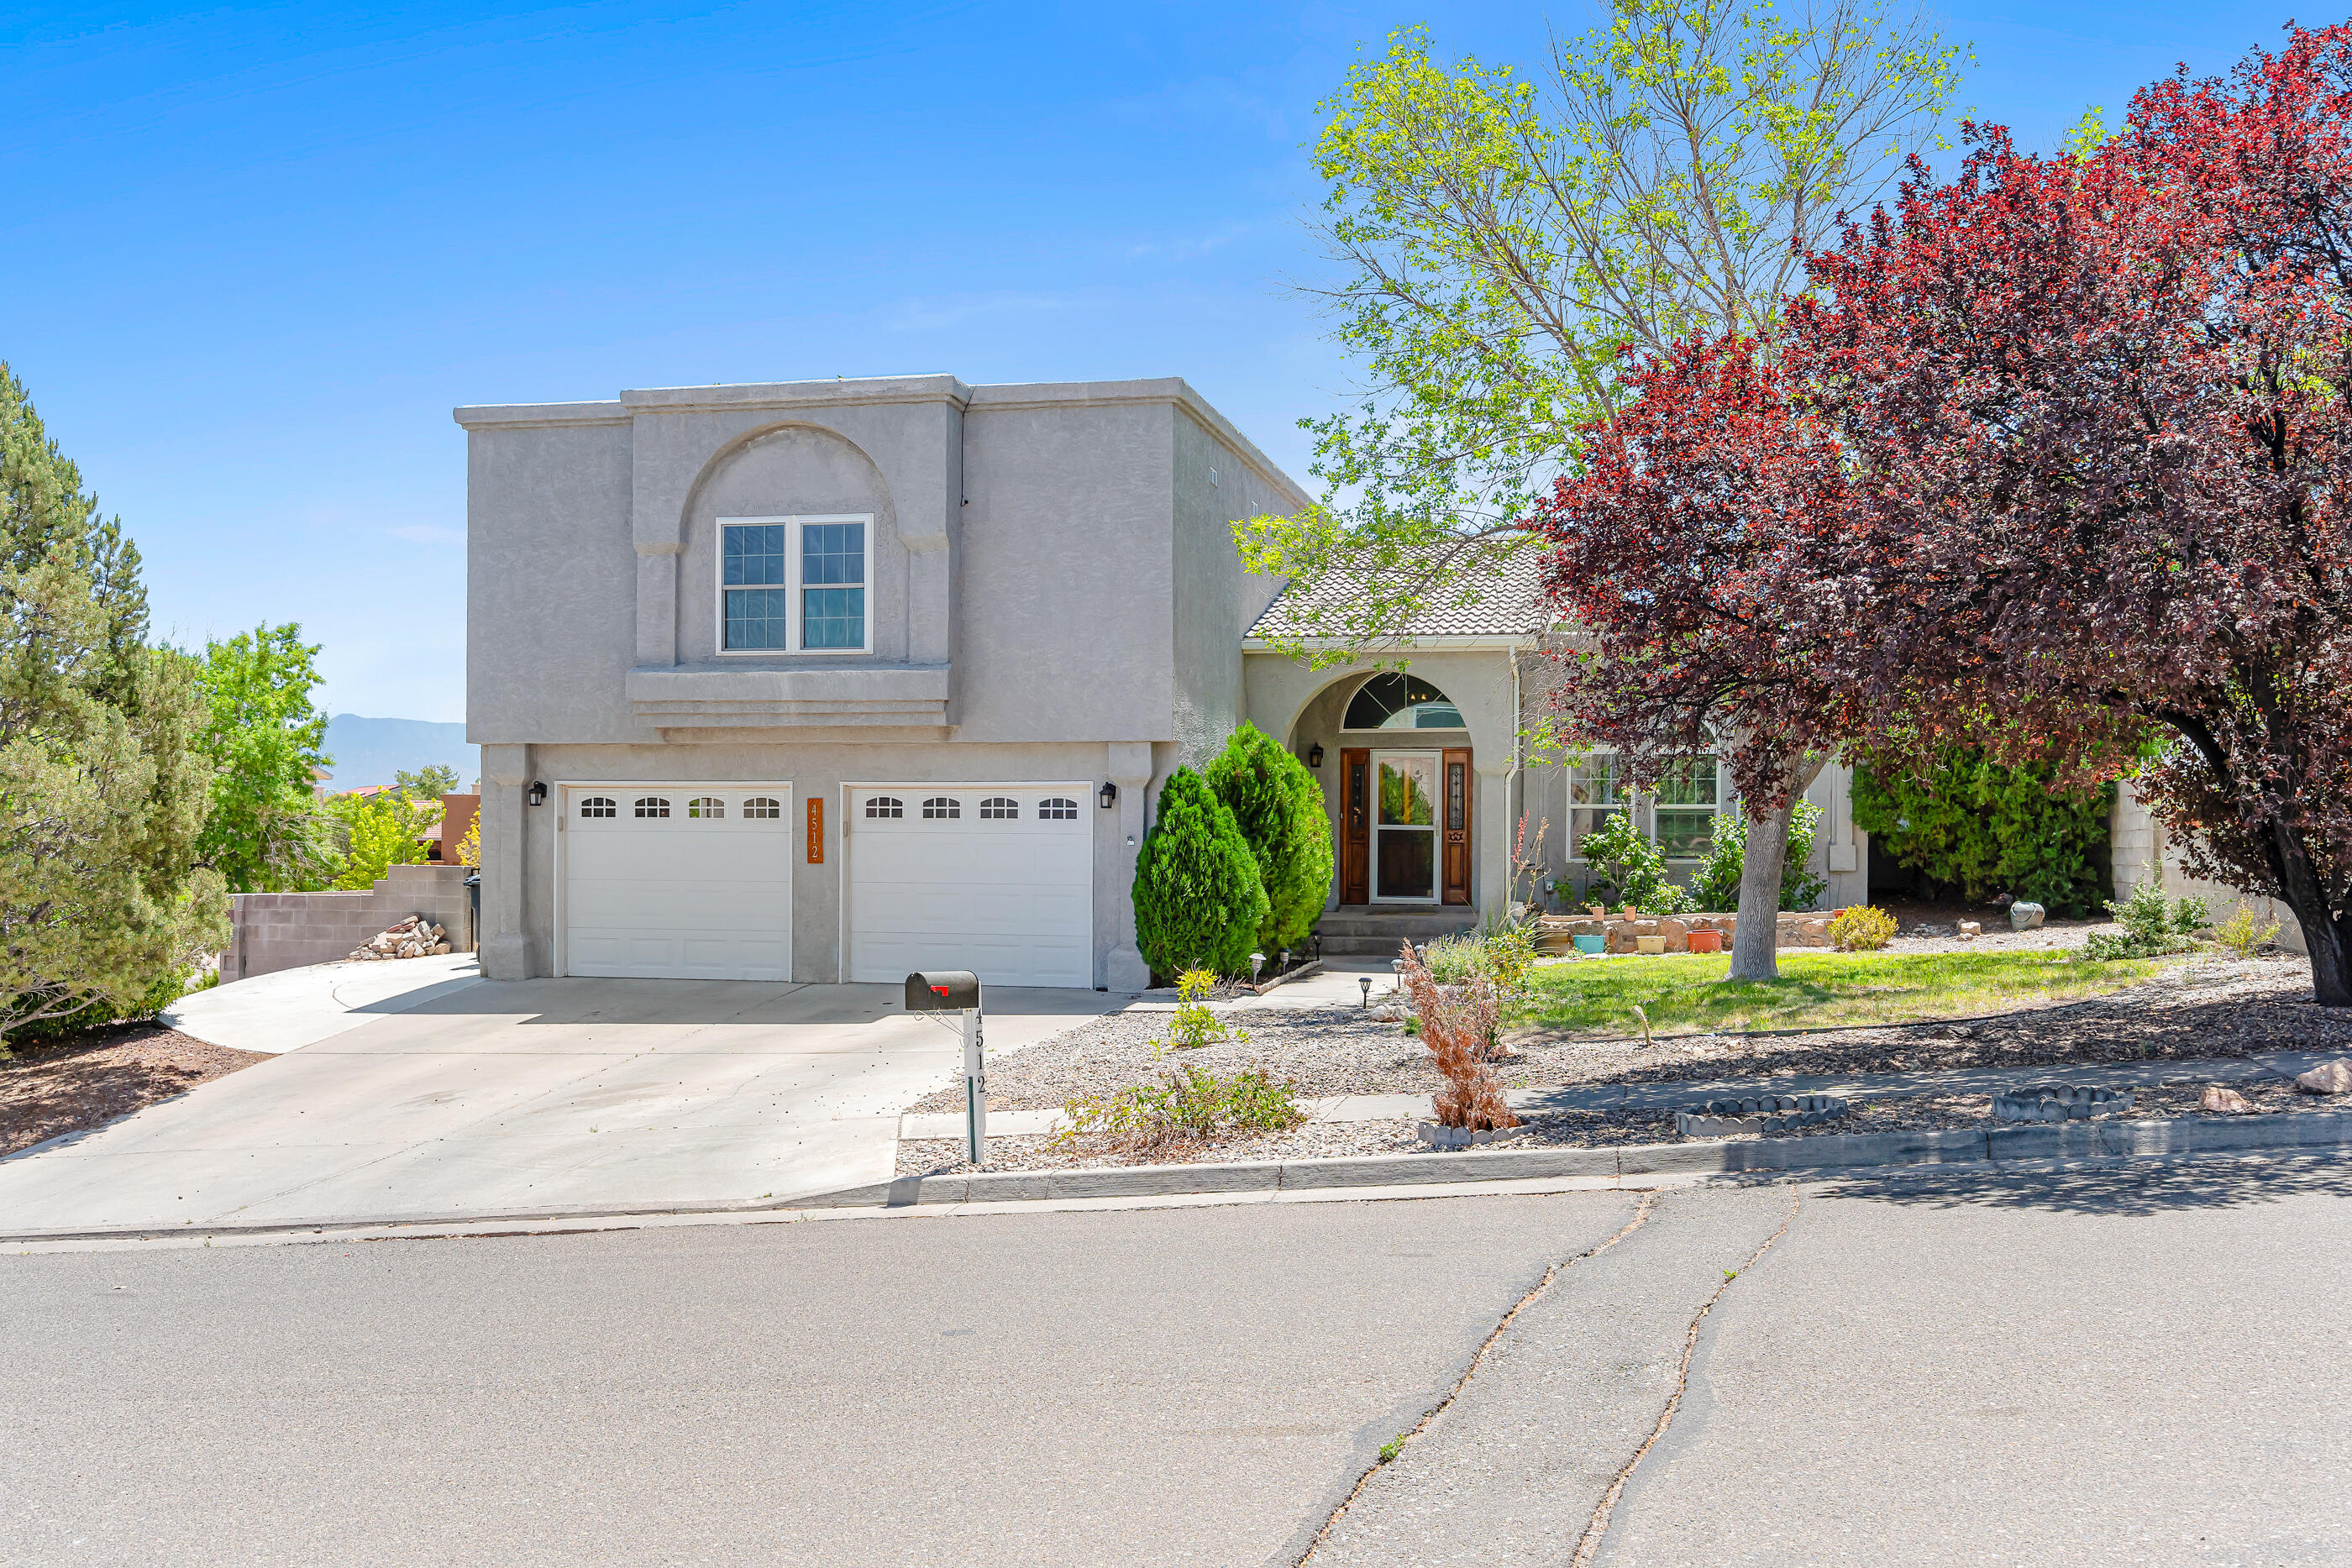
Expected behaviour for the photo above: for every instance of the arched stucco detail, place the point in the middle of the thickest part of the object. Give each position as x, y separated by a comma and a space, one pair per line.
793, 469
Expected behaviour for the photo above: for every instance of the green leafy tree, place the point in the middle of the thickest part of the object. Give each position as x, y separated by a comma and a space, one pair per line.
1279, 805
1497, 245
429, 782
263, 734
1974, 825
1200, 901
103, 789
377, 833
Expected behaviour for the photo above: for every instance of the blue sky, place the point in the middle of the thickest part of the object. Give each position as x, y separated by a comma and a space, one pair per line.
254, 255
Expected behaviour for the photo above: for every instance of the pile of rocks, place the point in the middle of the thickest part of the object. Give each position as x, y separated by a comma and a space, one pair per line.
414, 937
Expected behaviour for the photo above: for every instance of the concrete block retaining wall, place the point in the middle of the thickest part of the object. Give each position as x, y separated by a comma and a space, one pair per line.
274, 931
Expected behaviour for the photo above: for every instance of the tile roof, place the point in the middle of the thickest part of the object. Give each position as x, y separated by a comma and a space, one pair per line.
1508, 606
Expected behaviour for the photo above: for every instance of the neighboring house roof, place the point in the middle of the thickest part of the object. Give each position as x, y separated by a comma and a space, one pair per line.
1510, 606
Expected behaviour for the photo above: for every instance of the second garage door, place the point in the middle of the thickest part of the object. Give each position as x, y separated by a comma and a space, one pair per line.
997, 879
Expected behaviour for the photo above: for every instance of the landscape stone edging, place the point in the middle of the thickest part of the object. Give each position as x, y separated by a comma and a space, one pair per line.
1956, 1145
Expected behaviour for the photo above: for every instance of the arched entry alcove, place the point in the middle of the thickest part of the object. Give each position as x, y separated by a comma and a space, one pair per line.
1405, 784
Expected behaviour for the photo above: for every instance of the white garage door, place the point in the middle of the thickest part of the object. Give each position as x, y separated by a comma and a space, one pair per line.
685, 881
995, 879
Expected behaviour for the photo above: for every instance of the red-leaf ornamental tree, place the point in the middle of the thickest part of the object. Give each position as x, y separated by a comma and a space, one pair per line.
2063, 443
2098, 418
1679, 549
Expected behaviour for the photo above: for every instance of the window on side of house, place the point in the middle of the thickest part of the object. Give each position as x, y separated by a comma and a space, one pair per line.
1687, 802
796, 585
1595, 794
1678, 816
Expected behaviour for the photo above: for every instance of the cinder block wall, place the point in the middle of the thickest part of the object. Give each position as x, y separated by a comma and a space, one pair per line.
2140, 852
274, 931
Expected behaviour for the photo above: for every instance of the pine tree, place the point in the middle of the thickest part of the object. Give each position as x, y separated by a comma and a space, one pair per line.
102, 789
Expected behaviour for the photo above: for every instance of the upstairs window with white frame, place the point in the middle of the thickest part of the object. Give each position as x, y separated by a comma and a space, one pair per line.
796, 585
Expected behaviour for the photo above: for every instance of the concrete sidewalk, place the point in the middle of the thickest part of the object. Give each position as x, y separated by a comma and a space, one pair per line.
295, 1007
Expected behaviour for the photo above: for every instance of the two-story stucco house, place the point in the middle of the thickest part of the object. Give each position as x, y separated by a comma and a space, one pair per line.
832, 680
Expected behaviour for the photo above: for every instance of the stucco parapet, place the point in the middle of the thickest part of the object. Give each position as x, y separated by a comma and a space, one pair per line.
843, 392
1175, 391
529, 415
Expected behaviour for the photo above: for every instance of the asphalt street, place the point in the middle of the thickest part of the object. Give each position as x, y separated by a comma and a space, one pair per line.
2144, 1365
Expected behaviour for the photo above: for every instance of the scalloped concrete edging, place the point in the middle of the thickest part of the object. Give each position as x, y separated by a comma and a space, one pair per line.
2042, 1141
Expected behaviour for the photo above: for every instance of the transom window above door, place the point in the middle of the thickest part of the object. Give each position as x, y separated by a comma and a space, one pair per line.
1394, 700
796, 585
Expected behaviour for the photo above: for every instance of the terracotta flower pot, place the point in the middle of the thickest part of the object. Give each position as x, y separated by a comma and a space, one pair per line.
1706, 941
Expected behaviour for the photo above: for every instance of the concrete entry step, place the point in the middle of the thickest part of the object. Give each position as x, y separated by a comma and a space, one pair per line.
1356, 931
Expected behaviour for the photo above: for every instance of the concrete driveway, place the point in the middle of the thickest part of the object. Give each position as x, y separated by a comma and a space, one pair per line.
531, 1097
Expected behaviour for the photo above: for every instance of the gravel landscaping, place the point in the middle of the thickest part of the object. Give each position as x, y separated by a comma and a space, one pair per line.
2209, 1008
48, 1091
2205, 1008
1571, 1129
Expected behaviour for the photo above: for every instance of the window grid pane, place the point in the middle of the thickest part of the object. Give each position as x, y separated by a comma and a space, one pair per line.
754, 555
756, 617
833, 553
833, 618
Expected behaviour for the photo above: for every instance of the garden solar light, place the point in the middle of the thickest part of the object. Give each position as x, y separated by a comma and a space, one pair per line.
1257, 962
1366, 982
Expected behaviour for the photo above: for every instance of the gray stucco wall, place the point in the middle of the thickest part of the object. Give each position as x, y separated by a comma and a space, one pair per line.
1055, 596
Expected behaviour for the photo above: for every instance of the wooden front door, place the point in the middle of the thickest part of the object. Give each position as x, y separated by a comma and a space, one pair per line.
1355, 826
1455, 826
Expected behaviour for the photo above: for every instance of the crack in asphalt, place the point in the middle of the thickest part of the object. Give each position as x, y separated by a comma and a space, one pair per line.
1597, 1528
1640, 1216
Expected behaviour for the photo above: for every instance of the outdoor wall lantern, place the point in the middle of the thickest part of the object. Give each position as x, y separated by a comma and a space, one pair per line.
1110, 796
539, 791
1315, 754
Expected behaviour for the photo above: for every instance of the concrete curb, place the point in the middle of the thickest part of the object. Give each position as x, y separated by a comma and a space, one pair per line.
2046, 1141
2027, 1145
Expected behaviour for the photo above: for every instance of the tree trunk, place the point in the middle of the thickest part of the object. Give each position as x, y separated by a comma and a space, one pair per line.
1755, 940
2324, 933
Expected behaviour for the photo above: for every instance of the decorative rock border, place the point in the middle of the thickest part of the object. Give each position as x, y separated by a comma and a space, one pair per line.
1758, 1113
2058, 1103
1437, 1135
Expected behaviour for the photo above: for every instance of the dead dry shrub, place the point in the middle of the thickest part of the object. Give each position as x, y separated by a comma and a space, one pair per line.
1458, 1023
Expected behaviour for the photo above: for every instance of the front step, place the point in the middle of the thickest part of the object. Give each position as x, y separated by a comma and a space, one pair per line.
1359, 932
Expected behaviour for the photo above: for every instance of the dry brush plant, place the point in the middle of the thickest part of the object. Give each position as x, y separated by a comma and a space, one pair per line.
1458, 1024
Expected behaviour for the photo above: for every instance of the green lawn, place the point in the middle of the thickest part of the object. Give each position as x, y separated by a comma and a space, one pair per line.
1687, 993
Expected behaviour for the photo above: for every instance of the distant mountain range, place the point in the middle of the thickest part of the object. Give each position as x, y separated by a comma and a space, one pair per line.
372, 750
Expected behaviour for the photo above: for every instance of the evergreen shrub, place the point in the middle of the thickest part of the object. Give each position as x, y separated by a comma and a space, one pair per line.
1985, 829
1200, 900
1278, 803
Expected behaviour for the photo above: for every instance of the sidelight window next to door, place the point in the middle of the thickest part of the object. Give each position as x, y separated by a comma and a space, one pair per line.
1404, 832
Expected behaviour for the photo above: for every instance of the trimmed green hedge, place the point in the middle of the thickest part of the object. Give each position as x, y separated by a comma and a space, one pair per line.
1983, 829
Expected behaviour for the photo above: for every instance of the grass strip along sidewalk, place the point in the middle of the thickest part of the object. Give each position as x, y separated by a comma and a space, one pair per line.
1687, 994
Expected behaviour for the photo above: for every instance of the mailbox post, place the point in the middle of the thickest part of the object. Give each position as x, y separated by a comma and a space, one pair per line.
951, 992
